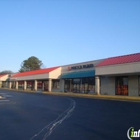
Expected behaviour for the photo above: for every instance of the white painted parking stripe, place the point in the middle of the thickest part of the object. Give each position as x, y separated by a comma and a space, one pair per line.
4, 100
5, 95
8, 96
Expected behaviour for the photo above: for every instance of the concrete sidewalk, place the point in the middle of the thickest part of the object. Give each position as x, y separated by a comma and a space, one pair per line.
107, 97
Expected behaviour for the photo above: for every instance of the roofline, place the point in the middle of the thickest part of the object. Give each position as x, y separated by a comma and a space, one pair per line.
13, 76
122, 55
98, 65
98, 59
82, 62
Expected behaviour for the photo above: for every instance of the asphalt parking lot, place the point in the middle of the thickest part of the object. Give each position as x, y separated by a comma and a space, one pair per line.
35, 116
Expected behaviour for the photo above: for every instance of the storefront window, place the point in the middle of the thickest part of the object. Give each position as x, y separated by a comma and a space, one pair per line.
13, 86
67, 85
139, 86
20, 85
88, 84
39, 84
30, 85
81, 85
45, 85
121, 85
76, 83
55, 84
4, 84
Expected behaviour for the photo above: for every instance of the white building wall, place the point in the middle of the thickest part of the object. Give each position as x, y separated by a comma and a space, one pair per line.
32, 77
118, 69
4, 77
65, 68
62, 84
55, 74
133, 85
35, 85
97, 85
107, 85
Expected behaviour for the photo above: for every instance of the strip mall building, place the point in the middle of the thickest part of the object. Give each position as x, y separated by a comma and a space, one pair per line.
112, 76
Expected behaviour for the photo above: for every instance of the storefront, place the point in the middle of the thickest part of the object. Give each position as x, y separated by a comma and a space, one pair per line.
56, 85
81, 85
46, 86
4, 80
13, 84
39, 85
79, 78
21, 85
37, 80
121, 85
112, 76
30, 85
5, 84
120, 75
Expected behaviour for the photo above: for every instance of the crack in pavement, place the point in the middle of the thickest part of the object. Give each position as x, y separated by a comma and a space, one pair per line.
52, 126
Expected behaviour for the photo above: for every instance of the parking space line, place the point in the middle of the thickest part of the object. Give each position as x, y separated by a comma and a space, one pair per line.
4, 100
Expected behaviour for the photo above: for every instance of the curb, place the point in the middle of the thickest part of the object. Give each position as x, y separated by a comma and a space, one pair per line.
107, 97
78, 95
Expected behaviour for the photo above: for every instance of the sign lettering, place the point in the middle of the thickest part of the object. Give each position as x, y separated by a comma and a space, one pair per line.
81, 67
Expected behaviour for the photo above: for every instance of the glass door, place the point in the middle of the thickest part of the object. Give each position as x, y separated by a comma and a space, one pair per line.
76, 85
67, 86
86, 88
45, 85
39, 85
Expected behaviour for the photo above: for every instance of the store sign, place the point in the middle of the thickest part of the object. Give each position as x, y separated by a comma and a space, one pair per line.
81, 67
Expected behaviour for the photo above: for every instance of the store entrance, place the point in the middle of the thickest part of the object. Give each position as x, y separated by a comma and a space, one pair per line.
121, 85
46, 85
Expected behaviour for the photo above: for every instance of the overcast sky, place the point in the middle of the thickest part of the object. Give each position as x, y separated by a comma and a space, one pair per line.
61, 32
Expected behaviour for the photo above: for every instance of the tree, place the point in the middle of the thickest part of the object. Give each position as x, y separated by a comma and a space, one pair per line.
6, 72
32, 63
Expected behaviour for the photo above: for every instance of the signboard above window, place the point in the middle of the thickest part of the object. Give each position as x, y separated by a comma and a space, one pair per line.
81, 67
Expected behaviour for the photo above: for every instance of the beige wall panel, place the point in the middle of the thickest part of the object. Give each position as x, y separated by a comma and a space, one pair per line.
108, 85
32, 77
133, 86
118, 69
62, 84
55, 74
3, 78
